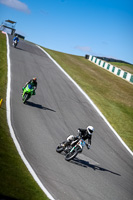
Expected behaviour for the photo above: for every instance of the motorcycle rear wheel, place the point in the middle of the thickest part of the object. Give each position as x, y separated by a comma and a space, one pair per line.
60, 148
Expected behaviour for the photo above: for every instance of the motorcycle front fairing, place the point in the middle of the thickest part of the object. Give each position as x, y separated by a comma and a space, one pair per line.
80, 145
29, 89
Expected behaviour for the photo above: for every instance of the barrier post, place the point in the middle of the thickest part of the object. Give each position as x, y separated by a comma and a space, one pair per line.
1, 102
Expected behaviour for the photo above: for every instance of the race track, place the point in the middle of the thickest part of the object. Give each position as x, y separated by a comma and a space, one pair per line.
58, 109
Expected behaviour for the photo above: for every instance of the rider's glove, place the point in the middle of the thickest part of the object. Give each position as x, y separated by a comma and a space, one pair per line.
88, 146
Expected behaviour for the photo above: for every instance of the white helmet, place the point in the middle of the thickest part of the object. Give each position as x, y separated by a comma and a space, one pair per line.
90, 129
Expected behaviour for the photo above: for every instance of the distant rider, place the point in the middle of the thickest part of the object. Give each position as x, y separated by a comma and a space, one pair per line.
83, 134
16, 38
33, 83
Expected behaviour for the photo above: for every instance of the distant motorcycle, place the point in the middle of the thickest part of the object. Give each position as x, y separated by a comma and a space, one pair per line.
27, 93
15, 43
71, 150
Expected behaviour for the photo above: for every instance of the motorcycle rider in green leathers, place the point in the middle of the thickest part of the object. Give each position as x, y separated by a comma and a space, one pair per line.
33, 83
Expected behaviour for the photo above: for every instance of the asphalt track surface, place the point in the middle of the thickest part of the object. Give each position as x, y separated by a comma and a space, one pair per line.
105, 172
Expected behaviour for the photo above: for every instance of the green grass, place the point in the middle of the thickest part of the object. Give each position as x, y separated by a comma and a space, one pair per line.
112, 95
15, 180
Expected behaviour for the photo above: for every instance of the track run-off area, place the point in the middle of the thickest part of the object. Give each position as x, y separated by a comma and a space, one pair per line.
57, 110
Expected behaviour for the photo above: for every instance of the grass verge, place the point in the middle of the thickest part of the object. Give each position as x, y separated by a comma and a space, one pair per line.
15, 180
111, 94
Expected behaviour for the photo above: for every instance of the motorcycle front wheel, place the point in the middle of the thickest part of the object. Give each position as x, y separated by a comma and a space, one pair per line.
25, 98
69, 156
14, 45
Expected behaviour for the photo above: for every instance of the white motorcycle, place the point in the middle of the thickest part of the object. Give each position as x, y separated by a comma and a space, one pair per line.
71, 150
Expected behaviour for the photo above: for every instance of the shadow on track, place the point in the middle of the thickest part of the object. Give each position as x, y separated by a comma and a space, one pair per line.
86, 164
38, 106
17, 47
20, 49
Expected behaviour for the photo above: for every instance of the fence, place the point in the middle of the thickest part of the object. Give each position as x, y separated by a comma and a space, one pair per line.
111, 68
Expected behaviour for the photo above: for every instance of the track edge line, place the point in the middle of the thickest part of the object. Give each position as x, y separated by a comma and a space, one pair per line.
8, 110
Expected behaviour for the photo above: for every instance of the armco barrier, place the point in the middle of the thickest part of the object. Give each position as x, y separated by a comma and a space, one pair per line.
111, 68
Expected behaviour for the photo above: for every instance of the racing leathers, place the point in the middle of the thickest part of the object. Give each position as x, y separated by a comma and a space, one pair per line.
16, 38
33, 84
83, 134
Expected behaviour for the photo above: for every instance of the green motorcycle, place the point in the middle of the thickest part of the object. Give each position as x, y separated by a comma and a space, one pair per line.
28, 91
